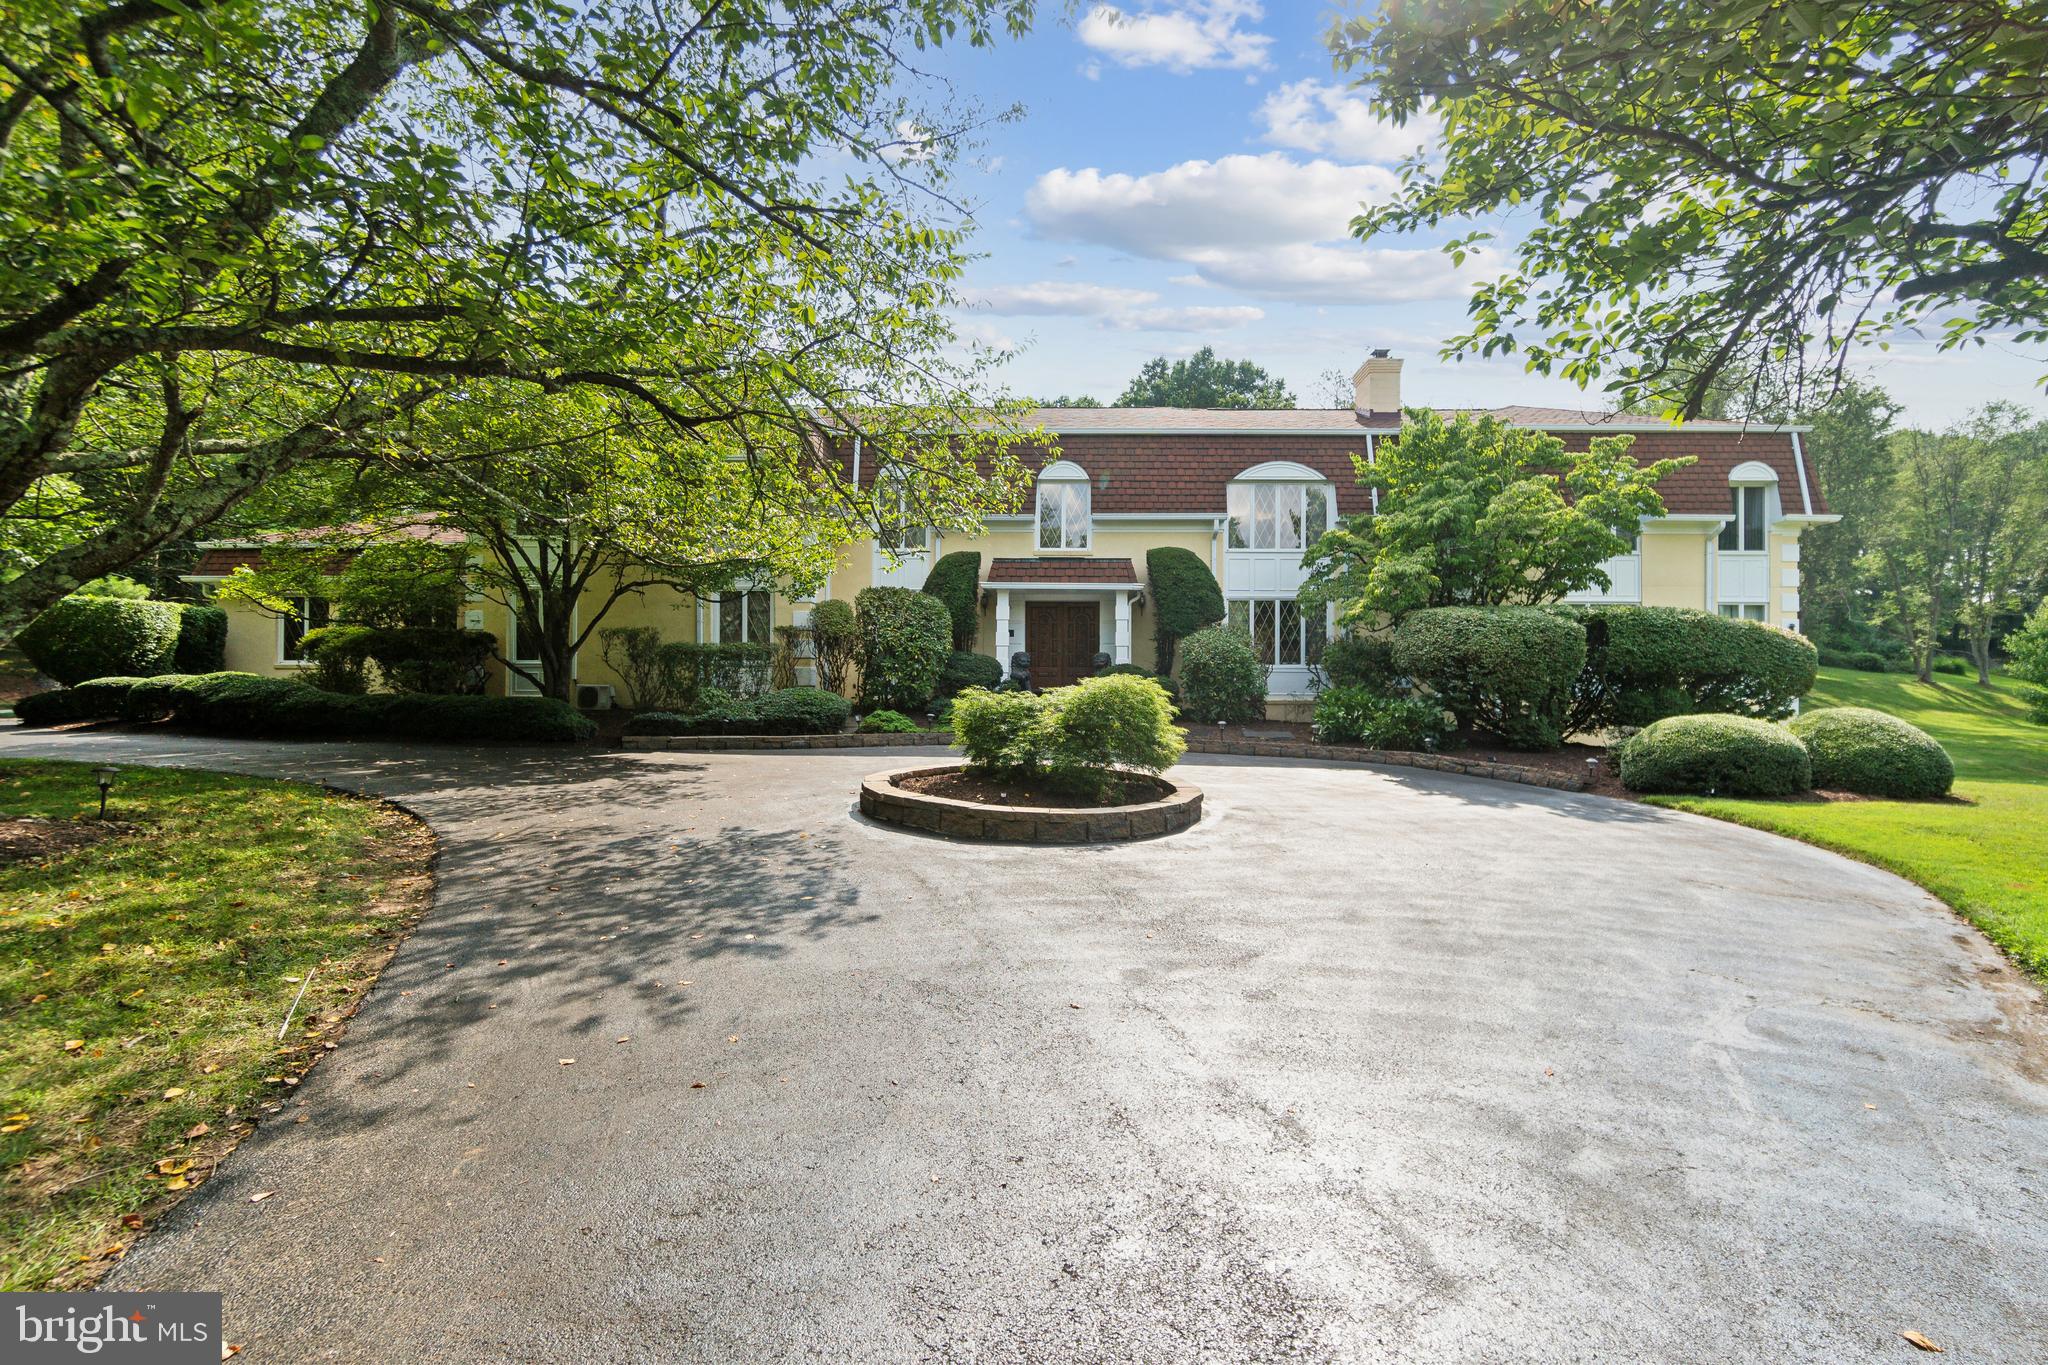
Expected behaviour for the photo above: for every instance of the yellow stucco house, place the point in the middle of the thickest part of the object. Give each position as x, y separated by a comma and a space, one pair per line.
1063, 578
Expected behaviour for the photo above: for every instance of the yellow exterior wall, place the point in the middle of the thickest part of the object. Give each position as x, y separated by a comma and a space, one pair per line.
252, 642
1675, 569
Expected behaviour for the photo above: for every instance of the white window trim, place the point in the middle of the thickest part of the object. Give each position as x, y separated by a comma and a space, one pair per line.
892, 485
302, 609
1064, 474
710, 616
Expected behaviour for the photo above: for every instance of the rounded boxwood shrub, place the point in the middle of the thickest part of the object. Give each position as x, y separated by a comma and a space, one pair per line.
1506, 670
905, 638
1363, 715
1185, 598
1859, 750
1221, 678
657, 723
101, 637
955, 579
202, 639
1716, 755
1360, 661
999, 731
887, 723
800, 711
964, 670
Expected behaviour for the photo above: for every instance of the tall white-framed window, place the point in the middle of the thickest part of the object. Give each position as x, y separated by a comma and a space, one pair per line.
1745, 531
305, 614
1284, 634
1064, 507
743, 617
899, 528
1277, 516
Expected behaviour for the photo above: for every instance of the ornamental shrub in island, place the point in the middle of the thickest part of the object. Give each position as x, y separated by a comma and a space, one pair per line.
905, 638
1715, 755
1078, 739
998, 731
1362, 715
887, 723
1185, 598
1508, 671
1221, 678
955, 579
1856, 749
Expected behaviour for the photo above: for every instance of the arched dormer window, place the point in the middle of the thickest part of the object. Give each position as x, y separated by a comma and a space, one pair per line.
1278, 506
899, 529
1753, 487
1063, 507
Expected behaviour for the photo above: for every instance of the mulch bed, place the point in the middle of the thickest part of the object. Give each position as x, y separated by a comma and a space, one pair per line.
28, 839
957, 784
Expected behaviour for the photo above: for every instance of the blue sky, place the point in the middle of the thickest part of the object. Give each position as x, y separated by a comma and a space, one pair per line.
1184, 178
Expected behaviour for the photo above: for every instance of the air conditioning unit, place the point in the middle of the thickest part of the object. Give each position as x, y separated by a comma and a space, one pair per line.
595, 697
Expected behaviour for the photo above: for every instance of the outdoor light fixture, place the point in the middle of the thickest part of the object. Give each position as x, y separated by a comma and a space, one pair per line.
105, 778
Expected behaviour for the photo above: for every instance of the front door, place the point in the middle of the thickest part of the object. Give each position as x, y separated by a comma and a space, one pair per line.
1063, 638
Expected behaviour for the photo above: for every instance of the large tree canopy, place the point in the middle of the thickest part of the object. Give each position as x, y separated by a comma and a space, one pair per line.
240, 239
1481, 514
1204, 381
1727, 188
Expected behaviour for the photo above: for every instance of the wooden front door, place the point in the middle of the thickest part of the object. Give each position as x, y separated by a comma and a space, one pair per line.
1063, 638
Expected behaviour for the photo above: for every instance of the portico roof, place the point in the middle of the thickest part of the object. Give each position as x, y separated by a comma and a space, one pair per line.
1062, 572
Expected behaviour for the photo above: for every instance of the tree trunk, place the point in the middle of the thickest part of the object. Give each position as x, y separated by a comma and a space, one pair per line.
1980, 653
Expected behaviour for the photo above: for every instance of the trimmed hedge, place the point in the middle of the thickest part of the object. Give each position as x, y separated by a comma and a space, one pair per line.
887, 723
1861, 660
1363, 715
202, 639
964, 670
1716, 755
1185, 598
1221, 678
1646, 663
244, 704
100, 637
1506, 670
905, 640
1859, 750
955, 579
789, 711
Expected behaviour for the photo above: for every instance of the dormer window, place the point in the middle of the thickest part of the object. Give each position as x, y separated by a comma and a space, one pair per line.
1063, 507
1750, 497
896, 515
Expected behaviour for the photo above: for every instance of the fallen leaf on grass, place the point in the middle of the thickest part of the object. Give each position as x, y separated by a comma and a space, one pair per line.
177, 1182
174, 1092
260, 1196
210, 1068
1922, 1342
197, 1130
74, 1045
131, 1221
173, 1166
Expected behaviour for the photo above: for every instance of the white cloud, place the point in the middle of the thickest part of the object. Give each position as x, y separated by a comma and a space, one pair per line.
1312, 273
1123, 310
912, 143
1267, 225
1058, 298
1313, 116
1233, 201
1199, 319
972, 333
1182, 37
1090, 70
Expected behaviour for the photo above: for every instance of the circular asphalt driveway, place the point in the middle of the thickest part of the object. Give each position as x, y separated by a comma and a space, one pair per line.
1369, 1066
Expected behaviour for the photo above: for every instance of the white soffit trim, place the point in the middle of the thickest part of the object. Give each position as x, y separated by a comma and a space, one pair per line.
1014, 586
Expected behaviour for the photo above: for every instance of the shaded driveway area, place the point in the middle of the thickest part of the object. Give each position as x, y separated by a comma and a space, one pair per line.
1369, 1066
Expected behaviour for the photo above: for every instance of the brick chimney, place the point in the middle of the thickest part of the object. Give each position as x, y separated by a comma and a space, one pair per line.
1378, 383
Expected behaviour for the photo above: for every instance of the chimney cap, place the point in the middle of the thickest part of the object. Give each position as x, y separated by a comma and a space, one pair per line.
1382, 353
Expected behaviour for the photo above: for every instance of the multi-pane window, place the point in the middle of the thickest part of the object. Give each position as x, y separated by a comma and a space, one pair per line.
1282, 633
307, 613
1277, 516
743, 617
896, 513
1743, 611
1063, 514
1745, 530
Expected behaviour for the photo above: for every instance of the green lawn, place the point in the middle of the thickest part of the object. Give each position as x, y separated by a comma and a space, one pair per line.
1987, 858
144, 978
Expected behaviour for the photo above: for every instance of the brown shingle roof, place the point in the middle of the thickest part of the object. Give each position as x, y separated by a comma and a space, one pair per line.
218, 559
1337, 420
1003, 571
